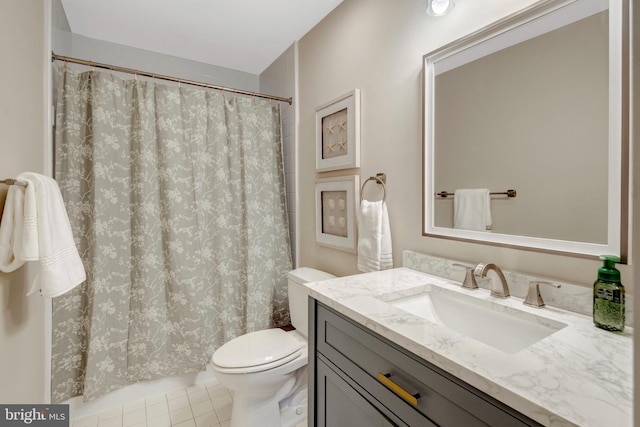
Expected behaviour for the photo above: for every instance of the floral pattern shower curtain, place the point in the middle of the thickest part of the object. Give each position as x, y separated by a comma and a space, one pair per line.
176, 199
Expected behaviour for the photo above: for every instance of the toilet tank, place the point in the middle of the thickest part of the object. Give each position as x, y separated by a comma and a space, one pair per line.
299, 295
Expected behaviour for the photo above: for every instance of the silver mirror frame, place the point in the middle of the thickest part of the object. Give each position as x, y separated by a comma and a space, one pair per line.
619, 129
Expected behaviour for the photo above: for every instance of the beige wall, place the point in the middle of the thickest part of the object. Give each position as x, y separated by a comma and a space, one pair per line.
279, 79
377, 46
23, 138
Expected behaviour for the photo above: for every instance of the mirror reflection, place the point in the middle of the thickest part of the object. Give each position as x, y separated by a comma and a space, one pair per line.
534, 109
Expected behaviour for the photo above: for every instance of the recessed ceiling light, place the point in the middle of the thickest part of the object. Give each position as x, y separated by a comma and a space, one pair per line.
439, 7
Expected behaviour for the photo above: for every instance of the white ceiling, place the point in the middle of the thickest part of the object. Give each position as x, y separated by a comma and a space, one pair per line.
245, 35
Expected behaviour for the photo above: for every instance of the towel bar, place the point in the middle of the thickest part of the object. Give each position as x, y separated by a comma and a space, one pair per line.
10, 181
508, 193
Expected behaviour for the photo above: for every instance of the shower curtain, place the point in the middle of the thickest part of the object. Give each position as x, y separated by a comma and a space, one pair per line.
176, 199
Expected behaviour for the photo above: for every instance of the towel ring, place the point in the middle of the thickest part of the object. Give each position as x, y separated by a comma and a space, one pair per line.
379, 180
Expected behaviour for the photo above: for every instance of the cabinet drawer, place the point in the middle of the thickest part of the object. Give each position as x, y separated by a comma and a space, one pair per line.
343, 403
443, 399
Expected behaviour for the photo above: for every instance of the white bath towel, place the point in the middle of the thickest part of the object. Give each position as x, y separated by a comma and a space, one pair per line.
374, 237
472, 209
37, 229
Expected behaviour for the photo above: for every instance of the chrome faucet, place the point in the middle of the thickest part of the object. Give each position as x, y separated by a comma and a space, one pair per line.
499, 287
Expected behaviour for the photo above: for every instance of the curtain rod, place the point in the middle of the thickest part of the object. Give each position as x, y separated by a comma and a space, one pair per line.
55, 57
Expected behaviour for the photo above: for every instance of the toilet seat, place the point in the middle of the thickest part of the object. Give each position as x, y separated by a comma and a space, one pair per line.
257, 351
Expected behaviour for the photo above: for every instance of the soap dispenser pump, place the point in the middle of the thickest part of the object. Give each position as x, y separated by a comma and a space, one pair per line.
608, 296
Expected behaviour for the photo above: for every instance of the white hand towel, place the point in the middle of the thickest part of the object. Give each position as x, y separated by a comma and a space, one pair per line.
374, 237
46, 236
472, 209
11, 228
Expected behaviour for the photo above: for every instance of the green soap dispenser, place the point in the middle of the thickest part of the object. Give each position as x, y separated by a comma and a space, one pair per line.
608, 296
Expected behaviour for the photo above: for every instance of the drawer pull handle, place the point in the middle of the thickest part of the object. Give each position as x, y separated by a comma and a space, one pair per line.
411, 398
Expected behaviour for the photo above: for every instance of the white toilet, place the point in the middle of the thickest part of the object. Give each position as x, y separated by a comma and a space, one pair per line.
266, 370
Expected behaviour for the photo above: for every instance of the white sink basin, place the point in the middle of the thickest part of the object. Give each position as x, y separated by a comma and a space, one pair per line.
503, 328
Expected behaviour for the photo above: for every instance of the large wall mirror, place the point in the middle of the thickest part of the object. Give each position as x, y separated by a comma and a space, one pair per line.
536, 103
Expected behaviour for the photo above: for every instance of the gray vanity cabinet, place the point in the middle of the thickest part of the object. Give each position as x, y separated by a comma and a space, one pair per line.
358, 378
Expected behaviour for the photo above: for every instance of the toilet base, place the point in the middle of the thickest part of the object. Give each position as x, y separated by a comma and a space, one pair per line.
290, 416
287, 409
260, 409
293, 410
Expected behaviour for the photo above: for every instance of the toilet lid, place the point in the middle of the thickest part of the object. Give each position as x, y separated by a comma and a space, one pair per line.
256, 348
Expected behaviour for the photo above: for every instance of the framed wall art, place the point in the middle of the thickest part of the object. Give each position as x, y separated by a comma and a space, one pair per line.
336, 202
338, 133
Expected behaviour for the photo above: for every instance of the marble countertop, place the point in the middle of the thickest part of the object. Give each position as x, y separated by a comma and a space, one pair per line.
578, 376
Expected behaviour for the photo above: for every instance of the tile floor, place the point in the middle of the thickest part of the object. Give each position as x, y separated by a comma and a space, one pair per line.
202, 405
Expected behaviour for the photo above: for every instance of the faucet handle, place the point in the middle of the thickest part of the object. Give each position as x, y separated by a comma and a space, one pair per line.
534, 299
469, 281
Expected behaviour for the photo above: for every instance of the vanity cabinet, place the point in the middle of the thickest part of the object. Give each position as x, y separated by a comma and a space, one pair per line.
358, 378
